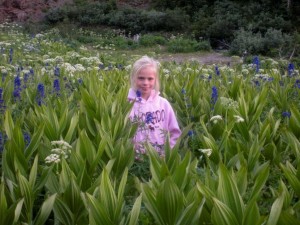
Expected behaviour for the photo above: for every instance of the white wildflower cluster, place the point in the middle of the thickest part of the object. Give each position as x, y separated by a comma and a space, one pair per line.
62, 150
238, 119
46, 70
68, 68
264, 77
79, 67
178, 69
128, 67
228, 103
271, 61
245, 71
166, 72
91, 60
206, 151
53, 158
49, 61
83, 48
72, 55
275, 71
206, 76
6, 44
236, 58
216, 118
3, 70
189, 70
59, 59
39, 36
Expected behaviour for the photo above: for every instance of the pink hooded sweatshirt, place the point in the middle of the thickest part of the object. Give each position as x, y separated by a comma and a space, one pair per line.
156, 119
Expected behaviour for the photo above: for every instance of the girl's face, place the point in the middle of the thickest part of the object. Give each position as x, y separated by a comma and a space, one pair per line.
145, 81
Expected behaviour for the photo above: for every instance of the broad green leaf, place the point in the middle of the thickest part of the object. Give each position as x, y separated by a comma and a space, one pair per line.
229, 194
27, 193
170, 201
45, 210
8, 125
135, 211
62, 212
18, 210
222, 214
72, 128
107, 195
260, 180
251, 215
35, 142
97, 212
276, 210
149, 199
33, 172
291, 177
191, 213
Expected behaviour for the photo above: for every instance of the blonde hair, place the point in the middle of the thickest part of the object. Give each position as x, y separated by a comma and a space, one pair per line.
141, 63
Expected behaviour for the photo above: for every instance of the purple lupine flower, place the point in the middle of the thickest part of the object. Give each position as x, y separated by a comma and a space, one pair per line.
17, 82
26, 78
183, 91
297, 83
1, 142
120, 67
2, 103
40, 94
139, 95
286, 114
217, 71
101, 66
256, 82
80, 81
256, 62
11, 52
149, 117
291, 69
57, 71
27, 139
17, 88
56, 87
4, 74
281, 83
31, 71
191, 133
214, 95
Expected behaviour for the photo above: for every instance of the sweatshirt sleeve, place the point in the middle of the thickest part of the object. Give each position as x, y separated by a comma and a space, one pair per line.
173, 126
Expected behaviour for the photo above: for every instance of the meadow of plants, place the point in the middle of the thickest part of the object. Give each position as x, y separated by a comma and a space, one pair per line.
67, 156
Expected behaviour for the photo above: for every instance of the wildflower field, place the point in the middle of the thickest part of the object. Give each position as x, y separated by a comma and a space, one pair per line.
67, 156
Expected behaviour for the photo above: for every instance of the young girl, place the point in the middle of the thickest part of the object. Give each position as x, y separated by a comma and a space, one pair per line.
153, 113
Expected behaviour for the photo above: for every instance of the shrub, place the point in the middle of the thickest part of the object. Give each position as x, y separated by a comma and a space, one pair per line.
149, 40
128, 19
273, 43
276, 43
181, 44
153, 20
55, 15
94, 13
176, 20
246, 41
